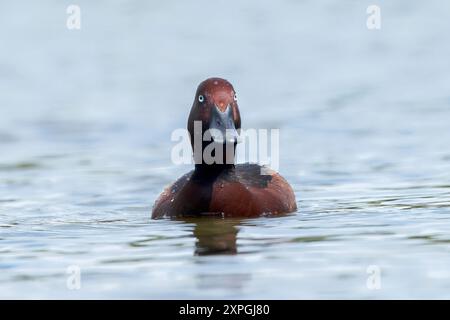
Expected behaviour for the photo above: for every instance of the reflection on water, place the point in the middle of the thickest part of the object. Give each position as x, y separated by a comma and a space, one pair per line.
86, 119
215, 235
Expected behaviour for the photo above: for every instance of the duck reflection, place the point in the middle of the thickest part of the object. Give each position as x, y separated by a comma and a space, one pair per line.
215, 236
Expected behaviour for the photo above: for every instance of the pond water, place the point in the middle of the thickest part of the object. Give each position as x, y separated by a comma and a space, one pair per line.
85, 123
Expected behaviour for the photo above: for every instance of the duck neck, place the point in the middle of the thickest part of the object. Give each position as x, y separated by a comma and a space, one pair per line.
212, 169
225, 161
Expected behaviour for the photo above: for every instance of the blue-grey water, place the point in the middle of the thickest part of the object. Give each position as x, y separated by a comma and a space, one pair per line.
86, 118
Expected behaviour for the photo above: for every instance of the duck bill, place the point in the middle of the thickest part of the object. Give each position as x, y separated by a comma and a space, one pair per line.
221, 127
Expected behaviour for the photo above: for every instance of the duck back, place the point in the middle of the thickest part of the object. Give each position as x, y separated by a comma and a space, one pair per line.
244, 190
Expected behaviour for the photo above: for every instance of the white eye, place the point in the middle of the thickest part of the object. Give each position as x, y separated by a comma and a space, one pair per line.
201, 98
235, 97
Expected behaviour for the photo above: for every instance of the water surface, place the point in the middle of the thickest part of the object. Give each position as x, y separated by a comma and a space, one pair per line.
85, 124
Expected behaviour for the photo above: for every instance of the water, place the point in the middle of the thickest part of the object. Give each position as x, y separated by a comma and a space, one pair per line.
85, 125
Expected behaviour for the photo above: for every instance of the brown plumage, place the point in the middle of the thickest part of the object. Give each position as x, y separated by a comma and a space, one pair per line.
223, 188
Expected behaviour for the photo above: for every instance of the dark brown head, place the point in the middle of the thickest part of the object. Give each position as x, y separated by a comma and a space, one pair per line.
215, 107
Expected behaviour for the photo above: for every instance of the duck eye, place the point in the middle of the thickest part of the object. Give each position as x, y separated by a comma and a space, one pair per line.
201, 98
235, 97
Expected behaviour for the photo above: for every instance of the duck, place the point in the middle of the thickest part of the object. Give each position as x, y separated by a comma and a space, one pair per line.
219, 186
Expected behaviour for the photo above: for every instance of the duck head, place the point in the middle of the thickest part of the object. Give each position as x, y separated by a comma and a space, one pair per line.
214, 119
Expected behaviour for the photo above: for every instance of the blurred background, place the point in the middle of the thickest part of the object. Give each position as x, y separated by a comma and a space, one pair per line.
85, 123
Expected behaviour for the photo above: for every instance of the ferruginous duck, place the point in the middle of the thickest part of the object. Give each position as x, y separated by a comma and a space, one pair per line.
218, 186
